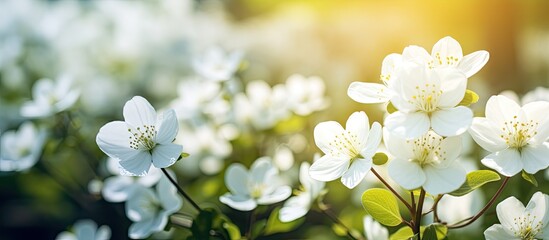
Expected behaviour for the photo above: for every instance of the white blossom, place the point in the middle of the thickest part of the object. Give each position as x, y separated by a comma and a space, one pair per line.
86, 229
50, 97
21, 149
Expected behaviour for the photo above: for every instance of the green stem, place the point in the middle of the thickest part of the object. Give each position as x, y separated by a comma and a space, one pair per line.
393, 191
180, 190
250, 225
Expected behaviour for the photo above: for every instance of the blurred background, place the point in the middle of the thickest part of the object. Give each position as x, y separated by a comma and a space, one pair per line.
114, 50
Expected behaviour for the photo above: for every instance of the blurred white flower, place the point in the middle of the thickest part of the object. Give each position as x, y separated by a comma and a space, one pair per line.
298, 206
119, 188
452, 209
283, 158
429, 162
216, 65
86, 229
261, 185
193, 96
21, 149
142, 139
150, 210
427, 98
50, 97
373, 230
305, 95
348, 152
519, 222
516, 136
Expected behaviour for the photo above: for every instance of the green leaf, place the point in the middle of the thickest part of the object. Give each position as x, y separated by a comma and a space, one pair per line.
380, 158
202, 224
382, 205
474, 180
391, 108
234, 232
530, 178
469, 98
402, 233
435, 232
274, 225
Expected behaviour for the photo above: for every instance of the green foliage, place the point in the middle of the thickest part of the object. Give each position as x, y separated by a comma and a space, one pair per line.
402, 233
210, 221
382, 205
274, 225
434, 232
380, 158
232, 230
530, 178
469, 98
474, 180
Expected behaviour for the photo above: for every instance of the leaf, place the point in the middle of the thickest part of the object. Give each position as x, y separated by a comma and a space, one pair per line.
391, 108
474, 180
402, 233
530, 178
469, 98
435, 232
202, 224
234, 232
380, 158
274, 225
382, 205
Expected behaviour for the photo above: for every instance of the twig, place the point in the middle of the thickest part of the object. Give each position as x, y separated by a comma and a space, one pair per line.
393, 190
417, 221
180, 190
326, 210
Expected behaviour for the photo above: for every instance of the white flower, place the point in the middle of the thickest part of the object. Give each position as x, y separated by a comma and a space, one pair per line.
453, 209
305, 95
348, 152
299, 205
86, 229
519, 222
21, 149
119, 188
427, 98
428, 162
446, 53
50, 97
514, 135
150, 210
142, 139
261, 185
193, 96
373, 230
216, 65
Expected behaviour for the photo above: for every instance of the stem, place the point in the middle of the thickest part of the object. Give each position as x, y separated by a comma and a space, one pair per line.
324, 209
417, 221
393, 190
434, 208
413, 202
483, 210
180, 190
249, 232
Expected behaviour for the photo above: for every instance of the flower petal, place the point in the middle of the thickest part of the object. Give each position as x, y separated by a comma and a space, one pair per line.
407, 125
238, 202
538, 207
356, 172
451, 148
113, 140
138, 112
447, 52
134, 206
295, 208
508, 211
537, 112
328, 168
397, 146
139, 165
501, 109
325, 133
453, 86
167, 194
507, 162
363, 92
141, 229
167, 127
444, 180
451, 121
359, 125
374, 139
487, 135
236, 179
389, 64
535, 157
473, 62
278, 195
262, 170
407, 174
117, 188
416, 54
165, 155
498, 232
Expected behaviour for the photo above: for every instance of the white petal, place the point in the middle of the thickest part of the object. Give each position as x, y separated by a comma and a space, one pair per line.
444, 48
472, 63
67, 101
538, 207
390, 63
374, 230
487, 135
359, 125
236, 179
508, 211
451, 148
117, 188
416, 54
507, 162
278, 195
262, 170
498, 232
407, 125
535, 157
139, 165
167, 194
295, 208
165, 155
325, 133
238, 202
35, 110
138, 112
537, 111
103, 233
444, 180
113, 140
168, 127
363, 92
142, 229
134, 206
407, 174
397, 146
451, 121
501, 109
356, 172
85, 227
453, 86
372, 144
304, 177
328, 168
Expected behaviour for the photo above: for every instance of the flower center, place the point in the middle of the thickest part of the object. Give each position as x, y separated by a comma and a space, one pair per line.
517, 133
426, 97
427, 149
527, 228
256, 190
142, 138
345, 144
448, 61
